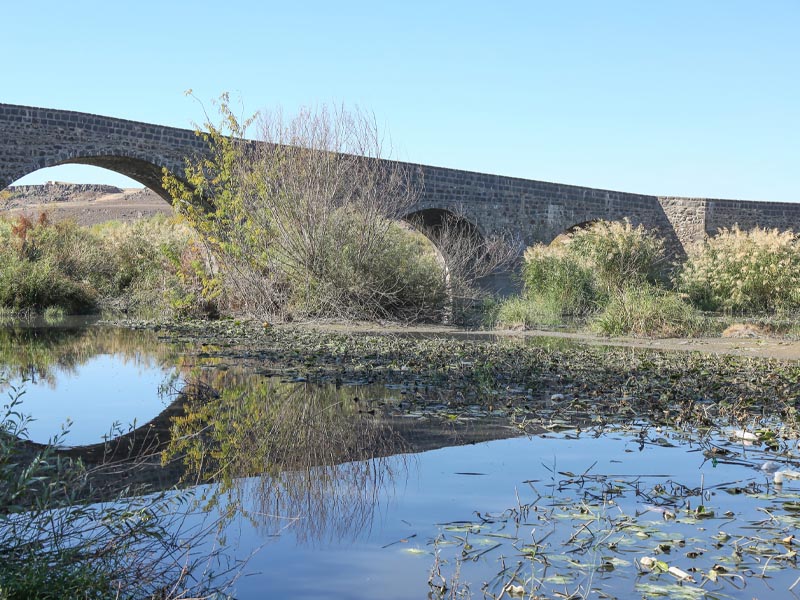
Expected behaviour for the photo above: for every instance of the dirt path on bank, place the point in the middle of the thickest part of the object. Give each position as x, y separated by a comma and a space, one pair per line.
763, 347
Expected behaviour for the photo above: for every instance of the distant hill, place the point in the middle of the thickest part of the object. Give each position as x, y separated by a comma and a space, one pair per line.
84, 203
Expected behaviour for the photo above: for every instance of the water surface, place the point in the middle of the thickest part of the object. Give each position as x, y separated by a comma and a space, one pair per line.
364, 491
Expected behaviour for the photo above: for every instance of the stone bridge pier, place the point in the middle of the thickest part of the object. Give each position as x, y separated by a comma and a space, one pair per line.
33, 138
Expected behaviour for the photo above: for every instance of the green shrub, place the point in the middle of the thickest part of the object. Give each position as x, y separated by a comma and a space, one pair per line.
135, 267
575, 278
739, 271
301, 225
524, 313
560, 282
36, 285
159, 268
400, 278
645, 310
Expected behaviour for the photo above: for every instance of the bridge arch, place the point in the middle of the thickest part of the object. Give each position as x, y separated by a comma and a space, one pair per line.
435, 222
141, 169
566, 235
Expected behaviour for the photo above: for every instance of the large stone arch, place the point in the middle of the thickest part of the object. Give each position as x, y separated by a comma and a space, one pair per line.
141, 169
34, 138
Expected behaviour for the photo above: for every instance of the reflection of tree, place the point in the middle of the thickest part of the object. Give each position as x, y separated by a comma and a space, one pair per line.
307, 450
37, 353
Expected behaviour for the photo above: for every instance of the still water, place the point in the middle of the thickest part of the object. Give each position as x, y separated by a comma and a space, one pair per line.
89, 382
346, 492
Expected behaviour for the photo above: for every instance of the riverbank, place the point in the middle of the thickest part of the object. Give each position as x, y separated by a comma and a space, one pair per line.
751, 343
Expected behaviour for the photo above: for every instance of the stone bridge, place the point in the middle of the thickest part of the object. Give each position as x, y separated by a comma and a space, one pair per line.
533, 211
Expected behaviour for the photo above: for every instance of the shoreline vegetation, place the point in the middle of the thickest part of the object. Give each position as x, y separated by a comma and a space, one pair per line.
611, 279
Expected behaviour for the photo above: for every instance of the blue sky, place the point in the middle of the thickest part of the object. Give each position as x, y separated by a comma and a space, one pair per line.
692, 98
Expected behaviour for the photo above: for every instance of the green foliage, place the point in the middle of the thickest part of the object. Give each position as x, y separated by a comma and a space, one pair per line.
526, 313
114, 266
559, 283
573, 279
645, 310
618, 254
739, 271
401, 278
37, 284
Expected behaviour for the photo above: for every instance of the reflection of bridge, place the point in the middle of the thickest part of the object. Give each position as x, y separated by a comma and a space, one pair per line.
536, 211
132, 461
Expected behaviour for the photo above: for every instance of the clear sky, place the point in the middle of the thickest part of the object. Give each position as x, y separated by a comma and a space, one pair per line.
693, 98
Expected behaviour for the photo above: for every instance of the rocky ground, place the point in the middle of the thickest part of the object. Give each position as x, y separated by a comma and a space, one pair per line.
86, 204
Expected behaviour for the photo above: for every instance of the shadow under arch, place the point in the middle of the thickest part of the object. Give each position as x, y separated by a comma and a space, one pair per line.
277, 449
432, 221
467, 251
565, 236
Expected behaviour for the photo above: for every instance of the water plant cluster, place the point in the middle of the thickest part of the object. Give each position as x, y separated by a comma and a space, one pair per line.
631, 529
640, 531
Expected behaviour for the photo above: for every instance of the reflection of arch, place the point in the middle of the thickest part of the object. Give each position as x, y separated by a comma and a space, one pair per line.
567, 234
133, 462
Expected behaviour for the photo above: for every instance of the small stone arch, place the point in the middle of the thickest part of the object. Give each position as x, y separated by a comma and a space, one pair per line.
444, 228
432, 222
565, 236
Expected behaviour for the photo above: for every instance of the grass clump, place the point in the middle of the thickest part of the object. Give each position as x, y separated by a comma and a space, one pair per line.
558, 283
583, 275
646, 310
744, 272
618, 254
521, 313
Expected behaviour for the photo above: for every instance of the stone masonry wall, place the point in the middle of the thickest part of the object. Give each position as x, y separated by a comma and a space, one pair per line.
726, 213
34, 138
536, 211
687, 217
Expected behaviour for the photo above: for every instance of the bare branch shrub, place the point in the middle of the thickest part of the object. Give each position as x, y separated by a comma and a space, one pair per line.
301, 221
